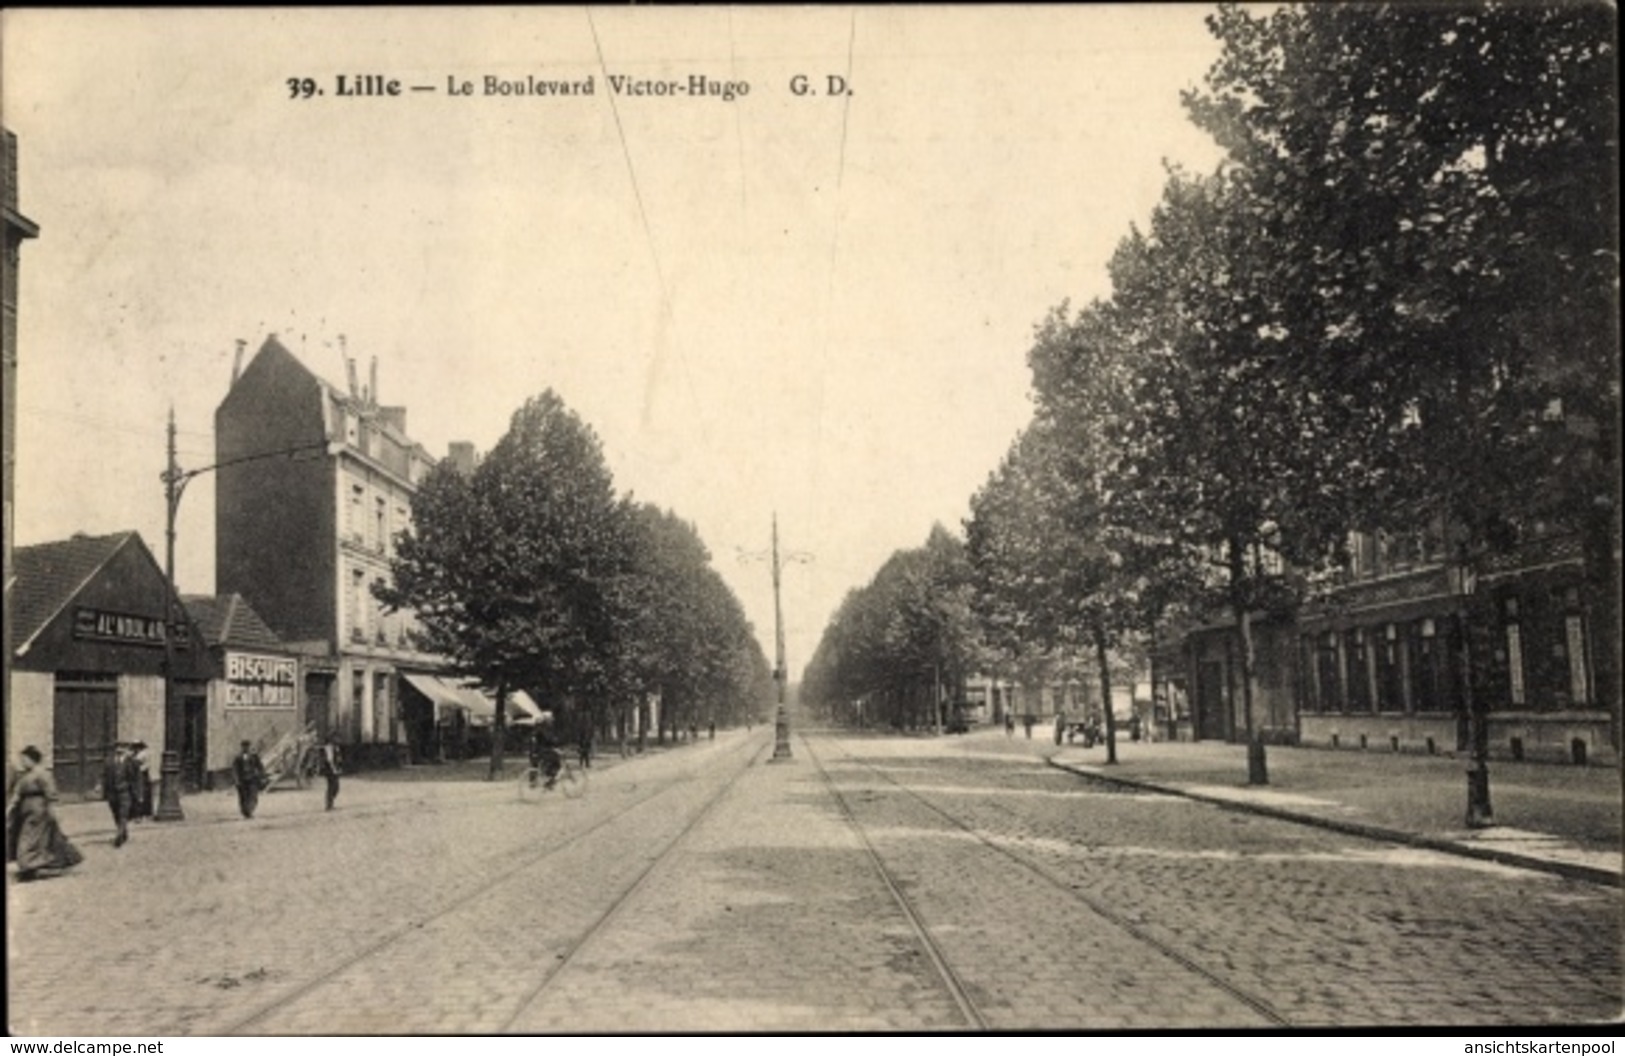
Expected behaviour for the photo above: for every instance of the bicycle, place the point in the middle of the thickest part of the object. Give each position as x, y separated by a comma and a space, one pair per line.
570, 780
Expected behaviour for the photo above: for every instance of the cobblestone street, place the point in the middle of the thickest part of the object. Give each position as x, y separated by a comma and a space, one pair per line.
703, 889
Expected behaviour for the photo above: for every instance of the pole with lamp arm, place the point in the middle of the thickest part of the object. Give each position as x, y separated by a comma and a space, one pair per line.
175, 480
1480, 814
169, 790
781, 675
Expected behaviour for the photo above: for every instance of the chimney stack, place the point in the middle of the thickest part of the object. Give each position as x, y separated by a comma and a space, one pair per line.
460, 453
237, 361
395, 417
372, 382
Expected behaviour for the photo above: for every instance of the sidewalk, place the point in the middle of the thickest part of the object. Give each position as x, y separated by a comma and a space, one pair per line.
1560, 819
364, 792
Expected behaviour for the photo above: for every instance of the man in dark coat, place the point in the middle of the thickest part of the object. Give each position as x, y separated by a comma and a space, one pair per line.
249, 773
118, 785
331, 766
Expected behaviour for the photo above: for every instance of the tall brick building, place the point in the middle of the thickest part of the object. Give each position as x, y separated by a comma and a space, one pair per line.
314, 483
18, 228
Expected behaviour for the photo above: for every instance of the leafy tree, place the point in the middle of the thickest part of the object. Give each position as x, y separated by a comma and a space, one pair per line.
899, 641
1437, 186
509, 571
1222, 454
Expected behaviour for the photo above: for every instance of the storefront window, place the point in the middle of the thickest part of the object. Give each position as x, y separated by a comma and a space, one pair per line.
1427, 671
1359, 670
1390, 684
1328, 673
1574, 637
1514, 650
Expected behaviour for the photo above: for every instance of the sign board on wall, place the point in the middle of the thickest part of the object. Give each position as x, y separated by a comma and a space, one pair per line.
124, 628
256, 680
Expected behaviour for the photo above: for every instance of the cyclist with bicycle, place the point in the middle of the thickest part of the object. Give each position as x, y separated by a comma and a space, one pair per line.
544, 750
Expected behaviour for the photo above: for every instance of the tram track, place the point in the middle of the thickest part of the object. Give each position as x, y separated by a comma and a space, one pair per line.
623, 899
469, 898
1253, 1002
922, 934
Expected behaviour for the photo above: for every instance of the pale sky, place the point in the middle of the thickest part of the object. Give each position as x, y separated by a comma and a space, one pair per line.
819, 306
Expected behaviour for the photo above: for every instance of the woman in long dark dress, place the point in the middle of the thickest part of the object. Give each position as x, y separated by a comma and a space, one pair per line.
34, 838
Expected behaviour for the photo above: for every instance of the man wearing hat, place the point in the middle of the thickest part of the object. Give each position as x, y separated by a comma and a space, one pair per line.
249, 773
143, 779
118, 786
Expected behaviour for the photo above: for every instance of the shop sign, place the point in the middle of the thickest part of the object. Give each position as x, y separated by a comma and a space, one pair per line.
254, 680
99, 625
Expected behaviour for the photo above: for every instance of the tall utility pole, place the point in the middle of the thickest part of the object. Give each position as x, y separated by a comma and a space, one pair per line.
781, 718
175, 481
169, 788
781, 673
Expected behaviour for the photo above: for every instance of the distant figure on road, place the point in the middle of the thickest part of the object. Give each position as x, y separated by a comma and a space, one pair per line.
249, 774
143, 781
711, 731
119, 779
34, 840
1009, 724
544, 750
1060, 725
1027, 721
584, 745
330, 765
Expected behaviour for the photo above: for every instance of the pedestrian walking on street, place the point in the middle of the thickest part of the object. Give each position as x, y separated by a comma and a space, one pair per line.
1060, 725
331, 765
143, 781
119, 778
34, 840
711, 730
1009, 724
584, 745
1027, 721
249, 773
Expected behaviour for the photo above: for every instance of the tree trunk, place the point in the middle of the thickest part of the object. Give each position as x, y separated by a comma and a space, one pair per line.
499, 733
936, 695
1257, 773
1106, 694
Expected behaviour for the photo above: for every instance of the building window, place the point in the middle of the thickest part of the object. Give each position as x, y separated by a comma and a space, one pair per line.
358, 702
1390, 670
358, 610
1329, 673
353, 525
1427, 667
1357, 663
381, 525
1574, 635
1514, 650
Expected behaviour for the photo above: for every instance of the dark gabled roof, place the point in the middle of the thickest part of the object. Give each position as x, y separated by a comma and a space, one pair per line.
230, 620
50, 574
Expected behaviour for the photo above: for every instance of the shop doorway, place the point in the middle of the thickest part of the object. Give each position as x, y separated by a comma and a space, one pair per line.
194, 744
1210, 700
84, 725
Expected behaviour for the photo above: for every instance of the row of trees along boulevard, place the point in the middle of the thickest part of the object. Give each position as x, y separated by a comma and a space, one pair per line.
530, 573
1394, 304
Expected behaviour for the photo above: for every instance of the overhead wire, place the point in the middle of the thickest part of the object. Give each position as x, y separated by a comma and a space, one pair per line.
654, 252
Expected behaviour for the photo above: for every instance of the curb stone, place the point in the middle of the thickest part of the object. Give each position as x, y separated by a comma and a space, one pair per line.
1570, 870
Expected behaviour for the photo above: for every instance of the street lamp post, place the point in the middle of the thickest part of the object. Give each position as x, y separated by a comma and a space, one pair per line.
169, 771
1480, 814
175, 480
781, 674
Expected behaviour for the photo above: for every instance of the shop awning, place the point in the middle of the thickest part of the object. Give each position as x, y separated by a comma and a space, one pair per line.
440, 693
482, 705
467, 696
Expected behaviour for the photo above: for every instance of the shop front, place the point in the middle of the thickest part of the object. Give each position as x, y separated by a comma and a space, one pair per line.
88, 640
253, 693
